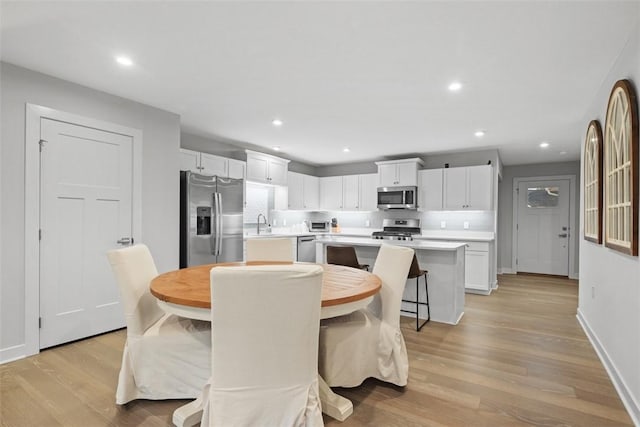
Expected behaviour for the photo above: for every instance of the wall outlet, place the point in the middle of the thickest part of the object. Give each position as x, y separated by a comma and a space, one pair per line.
367, 223
275, 222
284, 222
465, 225
443, 224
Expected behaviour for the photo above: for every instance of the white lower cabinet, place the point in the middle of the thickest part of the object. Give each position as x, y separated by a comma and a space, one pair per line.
476, 267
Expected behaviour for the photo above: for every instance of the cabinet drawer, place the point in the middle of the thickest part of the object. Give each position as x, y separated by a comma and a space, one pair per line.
478, 246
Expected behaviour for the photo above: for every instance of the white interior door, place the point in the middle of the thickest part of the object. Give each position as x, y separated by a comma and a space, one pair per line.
85, 208
543, 227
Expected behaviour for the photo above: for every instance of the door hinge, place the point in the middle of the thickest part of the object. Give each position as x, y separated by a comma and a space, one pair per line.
39, 322
41, 143
516, 261
40, 234
517, 226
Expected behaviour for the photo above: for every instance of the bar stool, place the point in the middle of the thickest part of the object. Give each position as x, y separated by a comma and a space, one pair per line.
344, 255
415, 273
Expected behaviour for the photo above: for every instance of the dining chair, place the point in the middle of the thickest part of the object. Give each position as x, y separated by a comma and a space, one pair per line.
265, 357
368, 343
270, 249
415, 272
344, 255
165, 356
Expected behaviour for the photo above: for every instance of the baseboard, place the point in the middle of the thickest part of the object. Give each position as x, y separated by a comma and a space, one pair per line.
10, 354
574, 276
506, 271
630, 404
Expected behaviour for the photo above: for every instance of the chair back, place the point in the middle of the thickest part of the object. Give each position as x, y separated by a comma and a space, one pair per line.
133, 268
342, 255
414, 270
266, 322
265, 249
392, 266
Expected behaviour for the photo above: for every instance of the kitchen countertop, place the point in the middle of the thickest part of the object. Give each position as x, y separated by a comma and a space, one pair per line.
469, 236
287, 232
368, 241
451, 235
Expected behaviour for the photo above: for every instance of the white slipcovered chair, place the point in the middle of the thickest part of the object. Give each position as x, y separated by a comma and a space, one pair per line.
368, 343
266, 249
265, 357
165, 356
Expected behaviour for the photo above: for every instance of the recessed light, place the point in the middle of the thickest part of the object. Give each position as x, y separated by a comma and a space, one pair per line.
346, 149
455, 86
479, 133
276, 122
562, 153
124, 60
276, 147
544, 144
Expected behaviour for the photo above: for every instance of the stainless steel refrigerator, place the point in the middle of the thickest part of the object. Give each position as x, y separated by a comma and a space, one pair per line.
210, 219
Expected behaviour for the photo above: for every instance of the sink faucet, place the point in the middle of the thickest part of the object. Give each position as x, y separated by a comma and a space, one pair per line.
258, 221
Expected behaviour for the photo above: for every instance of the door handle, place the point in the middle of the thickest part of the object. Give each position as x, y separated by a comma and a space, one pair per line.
563, 235
125, 241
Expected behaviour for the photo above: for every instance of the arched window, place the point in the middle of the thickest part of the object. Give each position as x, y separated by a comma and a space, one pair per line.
593, 183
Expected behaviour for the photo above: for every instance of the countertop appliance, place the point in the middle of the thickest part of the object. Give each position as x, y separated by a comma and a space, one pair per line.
398, 197
307, 249
398, 229
318, 226
210, 219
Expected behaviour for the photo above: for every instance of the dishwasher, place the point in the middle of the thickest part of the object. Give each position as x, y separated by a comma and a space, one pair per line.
307, 249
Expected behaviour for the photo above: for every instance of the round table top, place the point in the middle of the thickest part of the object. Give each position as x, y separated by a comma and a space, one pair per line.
190, 286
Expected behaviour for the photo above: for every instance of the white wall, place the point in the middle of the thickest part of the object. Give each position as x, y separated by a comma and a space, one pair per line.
609, 295
160, 184
505, 205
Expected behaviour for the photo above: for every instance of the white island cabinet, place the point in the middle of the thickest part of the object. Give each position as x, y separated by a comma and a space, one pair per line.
445, 262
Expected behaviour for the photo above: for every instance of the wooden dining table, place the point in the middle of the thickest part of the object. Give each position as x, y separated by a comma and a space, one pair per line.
187, 293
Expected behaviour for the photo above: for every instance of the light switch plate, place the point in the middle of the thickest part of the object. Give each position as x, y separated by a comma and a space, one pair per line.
465, 225
367, 223
443, 224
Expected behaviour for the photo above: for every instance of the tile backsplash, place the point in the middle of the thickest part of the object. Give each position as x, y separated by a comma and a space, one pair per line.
431, 220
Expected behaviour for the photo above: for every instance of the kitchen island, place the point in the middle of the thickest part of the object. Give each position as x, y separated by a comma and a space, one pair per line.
443, 260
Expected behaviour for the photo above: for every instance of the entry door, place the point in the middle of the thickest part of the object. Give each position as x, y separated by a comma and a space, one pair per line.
543, 227
85, 208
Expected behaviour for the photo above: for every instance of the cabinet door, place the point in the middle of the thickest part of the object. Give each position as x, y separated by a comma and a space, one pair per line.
189, 161
277, 172
479, 187
213, 165
430, 194
296, 186
455, 188
257, 168
236, 169
350, 192
388, 175
369, 192
407, 174
331, 193
476, 270
311, 192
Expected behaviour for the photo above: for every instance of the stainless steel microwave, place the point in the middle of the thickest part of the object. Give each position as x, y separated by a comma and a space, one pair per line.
398, 197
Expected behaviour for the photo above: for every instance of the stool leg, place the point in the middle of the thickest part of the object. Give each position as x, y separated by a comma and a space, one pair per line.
426, 291
417, 303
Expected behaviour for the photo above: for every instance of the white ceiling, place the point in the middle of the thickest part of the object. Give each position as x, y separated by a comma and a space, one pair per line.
372, 76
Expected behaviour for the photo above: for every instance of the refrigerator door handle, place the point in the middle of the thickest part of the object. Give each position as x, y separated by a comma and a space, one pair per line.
213, 239
218, 223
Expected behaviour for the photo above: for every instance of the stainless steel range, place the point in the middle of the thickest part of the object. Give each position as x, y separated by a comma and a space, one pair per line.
398, 229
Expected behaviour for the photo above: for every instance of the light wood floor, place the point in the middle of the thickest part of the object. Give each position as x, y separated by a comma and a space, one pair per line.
518, 358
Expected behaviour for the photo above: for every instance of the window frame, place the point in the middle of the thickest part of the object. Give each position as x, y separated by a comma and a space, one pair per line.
593, 149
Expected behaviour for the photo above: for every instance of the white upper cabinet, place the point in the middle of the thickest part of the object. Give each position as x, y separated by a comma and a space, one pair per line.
430, 194
304, 191
213, 165
266, 169
349, 192
331, 193
369, 192
398, 173
468, 188
236, 169
210, 164
189, 161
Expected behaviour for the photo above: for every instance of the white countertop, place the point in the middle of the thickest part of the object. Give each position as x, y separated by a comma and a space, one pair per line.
368, 241
464, 235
